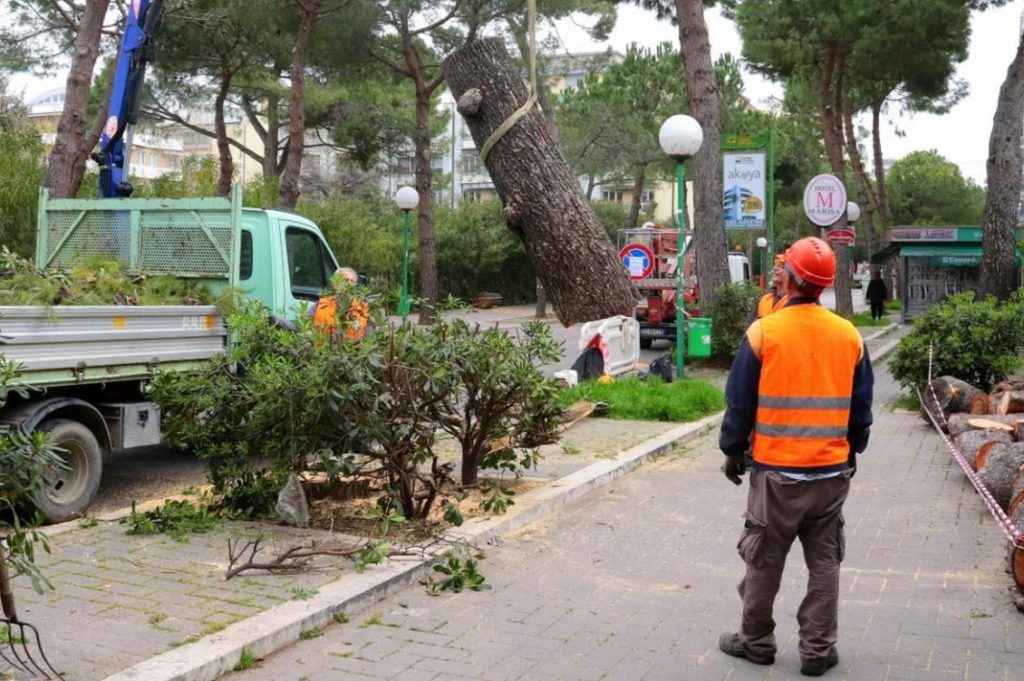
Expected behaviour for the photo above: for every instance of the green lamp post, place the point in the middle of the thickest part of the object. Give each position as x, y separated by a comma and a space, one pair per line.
406, 198
680, 137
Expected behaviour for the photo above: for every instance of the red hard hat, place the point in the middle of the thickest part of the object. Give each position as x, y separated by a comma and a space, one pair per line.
812, 260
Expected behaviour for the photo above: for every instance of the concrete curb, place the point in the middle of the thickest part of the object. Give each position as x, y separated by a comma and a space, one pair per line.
282, 625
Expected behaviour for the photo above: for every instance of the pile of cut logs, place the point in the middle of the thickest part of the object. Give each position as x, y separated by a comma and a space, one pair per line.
988, 429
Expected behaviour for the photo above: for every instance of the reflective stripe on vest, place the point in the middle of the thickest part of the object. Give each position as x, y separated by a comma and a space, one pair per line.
808, 357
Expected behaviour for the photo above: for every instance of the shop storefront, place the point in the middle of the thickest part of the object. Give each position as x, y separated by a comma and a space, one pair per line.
934, 262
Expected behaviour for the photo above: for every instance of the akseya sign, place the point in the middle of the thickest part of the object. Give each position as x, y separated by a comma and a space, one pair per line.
743, 190
825, 200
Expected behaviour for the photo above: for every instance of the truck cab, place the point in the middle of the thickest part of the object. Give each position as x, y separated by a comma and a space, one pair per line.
283, 260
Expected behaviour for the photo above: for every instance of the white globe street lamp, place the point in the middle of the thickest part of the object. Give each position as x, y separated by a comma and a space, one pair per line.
406, 198
852, 211
762, 244
680, 137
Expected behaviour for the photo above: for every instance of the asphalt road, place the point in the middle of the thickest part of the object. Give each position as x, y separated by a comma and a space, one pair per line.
154, 473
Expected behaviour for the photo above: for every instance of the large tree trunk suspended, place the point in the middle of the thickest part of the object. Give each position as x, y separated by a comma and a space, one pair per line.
1003, 170
705, 103
72, 146
542, 199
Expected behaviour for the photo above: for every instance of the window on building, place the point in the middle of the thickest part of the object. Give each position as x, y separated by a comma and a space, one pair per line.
613, 195
472, 195
646, 196
471, 163
404, 165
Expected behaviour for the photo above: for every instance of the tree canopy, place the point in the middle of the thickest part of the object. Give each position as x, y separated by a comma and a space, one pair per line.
927, 189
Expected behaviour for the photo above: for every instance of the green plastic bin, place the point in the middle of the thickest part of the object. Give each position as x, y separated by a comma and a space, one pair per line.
698, 337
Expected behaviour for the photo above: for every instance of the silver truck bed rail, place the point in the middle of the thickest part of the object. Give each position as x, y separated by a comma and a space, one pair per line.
65, 345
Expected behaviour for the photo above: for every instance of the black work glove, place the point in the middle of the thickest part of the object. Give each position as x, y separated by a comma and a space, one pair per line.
851, 461
734, 467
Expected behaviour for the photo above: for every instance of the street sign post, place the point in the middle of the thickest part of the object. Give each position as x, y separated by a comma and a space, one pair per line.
638, 260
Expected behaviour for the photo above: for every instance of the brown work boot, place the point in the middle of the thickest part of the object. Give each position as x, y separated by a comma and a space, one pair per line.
733, 644
819, 666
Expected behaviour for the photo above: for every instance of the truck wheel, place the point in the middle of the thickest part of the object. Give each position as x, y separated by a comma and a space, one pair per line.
67, 492
646, 343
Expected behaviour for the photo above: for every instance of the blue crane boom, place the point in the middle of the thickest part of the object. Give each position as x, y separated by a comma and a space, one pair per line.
137, 49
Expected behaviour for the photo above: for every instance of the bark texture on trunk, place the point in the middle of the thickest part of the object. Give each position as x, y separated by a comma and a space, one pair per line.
705, 104
425, 211
289, 195
543, 203
998, 272
71, 148
639, 176
865, 192
830, 111
223, 146
884, 211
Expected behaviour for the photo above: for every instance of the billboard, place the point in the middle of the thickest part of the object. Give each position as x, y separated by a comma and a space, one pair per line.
743, 190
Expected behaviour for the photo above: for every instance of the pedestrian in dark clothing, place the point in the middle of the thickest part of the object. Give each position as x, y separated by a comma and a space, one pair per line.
876, 295
799, 397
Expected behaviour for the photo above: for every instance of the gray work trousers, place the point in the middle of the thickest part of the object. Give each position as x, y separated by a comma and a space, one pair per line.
780, 509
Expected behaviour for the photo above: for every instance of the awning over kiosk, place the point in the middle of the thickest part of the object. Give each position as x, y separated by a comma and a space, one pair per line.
948, 254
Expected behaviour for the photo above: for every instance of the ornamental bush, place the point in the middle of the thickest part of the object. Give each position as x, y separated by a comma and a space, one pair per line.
284, 401
976, 341
730, 317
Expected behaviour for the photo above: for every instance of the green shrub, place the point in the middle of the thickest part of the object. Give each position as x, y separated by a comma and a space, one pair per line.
477, 252
975, 341
21, 174
730, 316
24, 458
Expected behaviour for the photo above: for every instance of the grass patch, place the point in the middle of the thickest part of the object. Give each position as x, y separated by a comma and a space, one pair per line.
175, 518
908, 402
893, 305
247, 660
650, 400
372, 620
864, 319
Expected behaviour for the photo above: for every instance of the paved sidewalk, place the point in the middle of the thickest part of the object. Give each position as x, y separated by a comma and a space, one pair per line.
148, 608
638, 581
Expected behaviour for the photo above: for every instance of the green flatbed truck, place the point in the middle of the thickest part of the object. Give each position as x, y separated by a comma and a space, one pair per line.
89, 366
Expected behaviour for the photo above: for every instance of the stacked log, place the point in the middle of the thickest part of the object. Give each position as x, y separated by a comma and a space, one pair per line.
1007, 398
999, 470
945, 396
988, 430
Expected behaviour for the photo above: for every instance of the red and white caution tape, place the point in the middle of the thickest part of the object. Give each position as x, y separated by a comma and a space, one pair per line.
1013, 534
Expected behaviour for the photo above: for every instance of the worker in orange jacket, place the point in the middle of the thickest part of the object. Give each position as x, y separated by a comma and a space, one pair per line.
357, 317
774, 299
799, 397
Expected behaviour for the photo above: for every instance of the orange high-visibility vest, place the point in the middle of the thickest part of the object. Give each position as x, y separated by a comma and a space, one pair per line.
808, 358
325, 317
768, 304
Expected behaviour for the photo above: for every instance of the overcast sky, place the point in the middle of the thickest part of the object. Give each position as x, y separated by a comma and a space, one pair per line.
961, 135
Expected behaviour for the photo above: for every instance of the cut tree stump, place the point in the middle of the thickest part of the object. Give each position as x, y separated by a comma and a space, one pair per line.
999, 468
543, 203
1008, 402
946, 395
970, 442
961, 423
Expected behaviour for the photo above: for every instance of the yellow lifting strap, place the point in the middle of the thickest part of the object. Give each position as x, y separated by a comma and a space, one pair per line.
500, 131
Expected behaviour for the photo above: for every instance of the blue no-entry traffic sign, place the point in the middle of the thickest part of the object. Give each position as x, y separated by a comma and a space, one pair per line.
638, 259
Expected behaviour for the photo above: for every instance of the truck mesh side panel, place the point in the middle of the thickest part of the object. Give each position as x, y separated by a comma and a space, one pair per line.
96, 233
175, 242
178, 242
